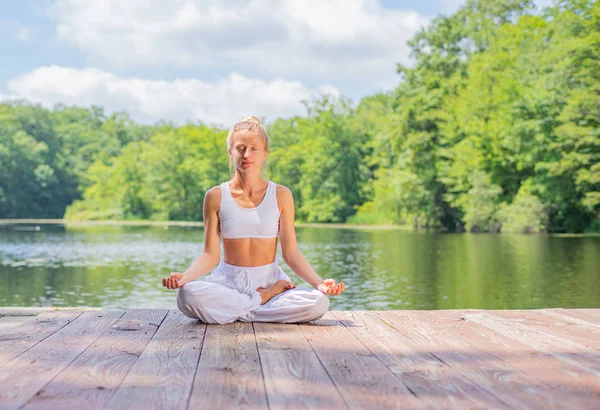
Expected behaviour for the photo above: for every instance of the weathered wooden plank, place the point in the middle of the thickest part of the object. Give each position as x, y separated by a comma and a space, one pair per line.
229, 374
23, 311
433, 381
294, 376
586, 336
34, 311
460, 358
587, 317
563, 349
570, 386
515, 387
591, 315
25, 375
361, 378
11, 322
12, 317
162, 376
92, 378
18, 339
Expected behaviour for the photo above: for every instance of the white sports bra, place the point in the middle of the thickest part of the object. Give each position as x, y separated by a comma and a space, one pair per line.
261, 221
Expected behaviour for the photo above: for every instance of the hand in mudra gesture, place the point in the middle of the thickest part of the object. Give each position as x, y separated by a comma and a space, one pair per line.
329, 287
174, 281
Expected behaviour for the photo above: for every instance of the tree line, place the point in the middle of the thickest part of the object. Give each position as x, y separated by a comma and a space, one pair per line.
493, 128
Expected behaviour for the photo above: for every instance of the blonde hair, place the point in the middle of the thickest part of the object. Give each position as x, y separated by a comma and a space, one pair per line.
249, 123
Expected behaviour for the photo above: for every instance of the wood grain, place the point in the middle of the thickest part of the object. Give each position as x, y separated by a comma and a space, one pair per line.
93, 377
513, 386
561, 348
570, 386
25, 375
229, 375
159, 359
10, 322
433, 381
586, 317
18, 339
583, 335
294, 376
361, 378
163, 375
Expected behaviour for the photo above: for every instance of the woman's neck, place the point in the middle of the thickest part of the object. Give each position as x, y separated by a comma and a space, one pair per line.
247, 183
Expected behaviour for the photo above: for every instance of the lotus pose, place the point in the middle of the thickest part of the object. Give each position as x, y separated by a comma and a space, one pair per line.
249, 213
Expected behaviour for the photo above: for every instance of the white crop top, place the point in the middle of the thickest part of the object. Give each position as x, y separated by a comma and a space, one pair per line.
261, 221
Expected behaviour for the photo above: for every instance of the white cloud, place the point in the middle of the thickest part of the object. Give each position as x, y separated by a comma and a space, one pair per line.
16, 30
24, 34
221, 102
323, 40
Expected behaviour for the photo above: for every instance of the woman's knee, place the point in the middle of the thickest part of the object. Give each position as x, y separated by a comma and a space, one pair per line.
183, 301
190, 301
184, 294
208, 302
320, 306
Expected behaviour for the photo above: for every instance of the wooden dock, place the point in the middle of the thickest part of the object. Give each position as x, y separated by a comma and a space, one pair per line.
159, 359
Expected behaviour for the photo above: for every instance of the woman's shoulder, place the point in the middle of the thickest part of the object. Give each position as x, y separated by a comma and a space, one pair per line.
281, 188
213, 195
215, 190
283, 193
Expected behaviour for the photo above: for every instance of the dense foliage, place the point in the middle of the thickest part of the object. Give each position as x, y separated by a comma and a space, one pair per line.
495, 127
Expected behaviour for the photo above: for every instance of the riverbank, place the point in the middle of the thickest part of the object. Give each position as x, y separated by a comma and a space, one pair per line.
407, 228
187, 223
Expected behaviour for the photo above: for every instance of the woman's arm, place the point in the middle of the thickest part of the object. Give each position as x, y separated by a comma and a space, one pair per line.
212, 246
287, 236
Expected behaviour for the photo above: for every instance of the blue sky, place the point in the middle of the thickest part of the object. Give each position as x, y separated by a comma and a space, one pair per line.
205, 60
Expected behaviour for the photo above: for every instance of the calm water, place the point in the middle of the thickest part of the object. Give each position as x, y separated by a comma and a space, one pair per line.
122, 266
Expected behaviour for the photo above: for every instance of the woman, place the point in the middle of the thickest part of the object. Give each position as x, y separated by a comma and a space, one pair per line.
249, 212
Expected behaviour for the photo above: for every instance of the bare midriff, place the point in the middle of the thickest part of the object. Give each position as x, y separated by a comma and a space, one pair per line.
249, 251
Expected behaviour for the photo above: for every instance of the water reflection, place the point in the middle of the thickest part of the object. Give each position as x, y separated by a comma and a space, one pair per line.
121, 267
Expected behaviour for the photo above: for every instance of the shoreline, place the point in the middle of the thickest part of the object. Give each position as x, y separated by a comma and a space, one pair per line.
406, 228
186, 223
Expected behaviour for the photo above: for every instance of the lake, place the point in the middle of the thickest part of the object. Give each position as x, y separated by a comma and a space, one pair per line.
114, 266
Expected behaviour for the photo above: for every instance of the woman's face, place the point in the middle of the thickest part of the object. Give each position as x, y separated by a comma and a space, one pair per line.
248, 150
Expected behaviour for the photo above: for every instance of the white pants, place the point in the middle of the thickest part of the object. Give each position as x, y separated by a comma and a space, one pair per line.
229, 294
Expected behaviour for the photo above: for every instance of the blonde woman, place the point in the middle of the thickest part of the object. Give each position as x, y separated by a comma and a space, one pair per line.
249, 213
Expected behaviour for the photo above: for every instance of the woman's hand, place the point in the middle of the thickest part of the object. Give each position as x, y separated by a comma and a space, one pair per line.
329, 287
174, 281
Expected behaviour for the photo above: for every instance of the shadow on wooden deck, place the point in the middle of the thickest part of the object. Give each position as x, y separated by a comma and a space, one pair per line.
154, 358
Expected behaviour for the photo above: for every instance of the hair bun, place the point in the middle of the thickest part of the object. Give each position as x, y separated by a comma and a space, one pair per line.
250, 118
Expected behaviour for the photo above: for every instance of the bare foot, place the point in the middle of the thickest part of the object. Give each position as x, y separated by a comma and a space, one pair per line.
275, 289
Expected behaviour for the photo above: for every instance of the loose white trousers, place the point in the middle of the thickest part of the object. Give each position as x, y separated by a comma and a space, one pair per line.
229, 294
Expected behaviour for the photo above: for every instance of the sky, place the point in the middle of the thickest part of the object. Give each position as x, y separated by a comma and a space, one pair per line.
209, 61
